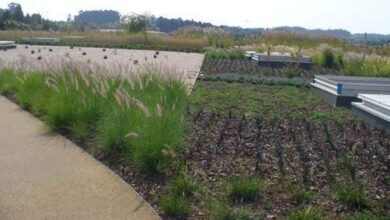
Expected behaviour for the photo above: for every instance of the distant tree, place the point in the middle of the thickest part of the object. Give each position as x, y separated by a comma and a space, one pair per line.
7, 15
27, 19
172, 24
137, 23
16, 11
36, 19
69, 18
96, 17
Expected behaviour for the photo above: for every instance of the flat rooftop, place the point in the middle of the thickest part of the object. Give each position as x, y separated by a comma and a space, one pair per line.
342, 90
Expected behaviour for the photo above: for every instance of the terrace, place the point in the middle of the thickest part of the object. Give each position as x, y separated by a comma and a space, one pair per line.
259, 147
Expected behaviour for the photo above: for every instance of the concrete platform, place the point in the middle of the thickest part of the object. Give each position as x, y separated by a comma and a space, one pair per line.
45, 176
278, 60
375, 109
342, 90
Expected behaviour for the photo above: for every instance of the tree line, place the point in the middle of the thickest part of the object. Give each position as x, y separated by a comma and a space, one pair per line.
14, 18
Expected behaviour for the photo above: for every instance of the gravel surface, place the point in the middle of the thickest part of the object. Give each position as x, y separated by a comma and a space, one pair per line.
111, 61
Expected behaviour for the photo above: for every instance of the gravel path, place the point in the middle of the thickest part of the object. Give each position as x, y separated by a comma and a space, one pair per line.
45, 176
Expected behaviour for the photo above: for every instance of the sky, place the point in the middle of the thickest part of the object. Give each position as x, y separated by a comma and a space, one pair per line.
357, 16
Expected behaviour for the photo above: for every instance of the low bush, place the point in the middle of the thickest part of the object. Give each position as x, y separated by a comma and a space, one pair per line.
175, 206
369, 68
365, 215
244, 189
7, 82
352, 194
329, 59
185, 186
306, 214
222, 211
299, 193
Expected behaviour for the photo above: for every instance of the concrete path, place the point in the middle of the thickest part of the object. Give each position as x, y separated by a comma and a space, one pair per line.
47, 177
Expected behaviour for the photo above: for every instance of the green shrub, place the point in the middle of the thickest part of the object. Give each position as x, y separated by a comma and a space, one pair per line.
365, 215
184, 186
8, 82
176, 206
352, 194
244, 189
329, 59
306, 214
222, 211
31, 91
369, 68
299, 193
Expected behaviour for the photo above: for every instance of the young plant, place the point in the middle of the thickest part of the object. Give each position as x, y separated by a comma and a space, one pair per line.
244, 189
306, 214
185, 186
176, 206
299, 193
365, 215
352, 194
222, 211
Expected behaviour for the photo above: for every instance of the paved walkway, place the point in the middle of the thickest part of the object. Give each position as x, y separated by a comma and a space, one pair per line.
47, 177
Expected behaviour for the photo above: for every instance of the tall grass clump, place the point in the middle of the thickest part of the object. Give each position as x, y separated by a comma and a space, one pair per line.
306, 214
244, 189
352, 194
175, 206
329, 59
365, 215
369, 68
299, 193
7, 82
223, 211
136, 121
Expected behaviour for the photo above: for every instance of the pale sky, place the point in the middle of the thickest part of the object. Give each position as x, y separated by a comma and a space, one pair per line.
371, 16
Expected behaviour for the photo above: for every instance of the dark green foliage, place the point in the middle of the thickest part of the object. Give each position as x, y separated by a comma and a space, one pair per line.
270, 101
176, 206
184, 186
299, 193
352, 194
366, 215
244, 189
306, 214
222, 211
329, 59
97, 17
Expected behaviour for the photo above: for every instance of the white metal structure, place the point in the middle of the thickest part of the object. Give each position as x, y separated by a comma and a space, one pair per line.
352, 86
281, 58
7, 44
375, 105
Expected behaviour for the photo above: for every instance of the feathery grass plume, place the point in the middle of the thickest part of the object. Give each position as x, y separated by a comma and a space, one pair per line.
159, 110
103, 109
132, 135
